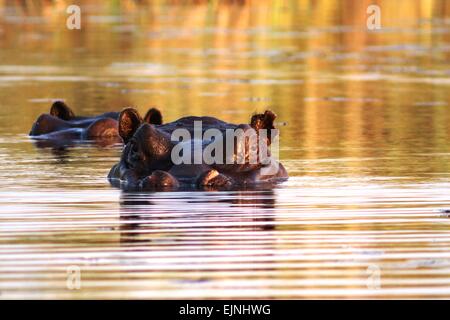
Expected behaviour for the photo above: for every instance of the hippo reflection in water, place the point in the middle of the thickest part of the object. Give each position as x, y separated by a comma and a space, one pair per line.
141, 213
148, 162
61, 126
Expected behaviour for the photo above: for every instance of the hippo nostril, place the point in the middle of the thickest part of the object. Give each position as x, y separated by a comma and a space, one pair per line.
159, 180
213, 178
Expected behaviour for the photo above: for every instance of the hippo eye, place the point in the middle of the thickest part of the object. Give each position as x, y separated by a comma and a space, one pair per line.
133, 154
133, 146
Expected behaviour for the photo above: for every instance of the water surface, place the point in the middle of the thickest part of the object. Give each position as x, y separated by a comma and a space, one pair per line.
364, 135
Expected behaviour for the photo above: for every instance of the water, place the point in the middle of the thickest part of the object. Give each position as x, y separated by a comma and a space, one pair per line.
364, 135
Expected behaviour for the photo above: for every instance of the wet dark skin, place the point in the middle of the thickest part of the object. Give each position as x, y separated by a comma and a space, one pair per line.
146, 161
61, 124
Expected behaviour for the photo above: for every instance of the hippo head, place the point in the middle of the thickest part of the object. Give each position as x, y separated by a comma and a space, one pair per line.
148, 161
146, 148
146, 152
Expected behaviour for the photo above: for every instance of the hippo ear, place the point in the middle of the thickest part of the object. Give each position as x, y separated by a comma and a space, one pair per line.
263, 120
60, 110
129, 122
153, 116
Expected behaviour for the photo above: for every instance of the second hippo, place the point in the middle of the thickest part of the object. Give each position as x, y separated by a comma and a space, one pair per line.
61, 124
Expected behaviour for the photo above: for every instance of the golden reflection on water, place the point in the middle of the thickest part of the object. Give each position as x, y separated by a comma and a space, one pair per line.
364, 135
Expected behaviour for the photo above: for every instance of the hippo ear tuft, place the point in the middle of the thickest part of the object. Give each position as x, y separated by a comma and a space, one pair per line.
153, 116
60, 110
129, 122
263, 120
